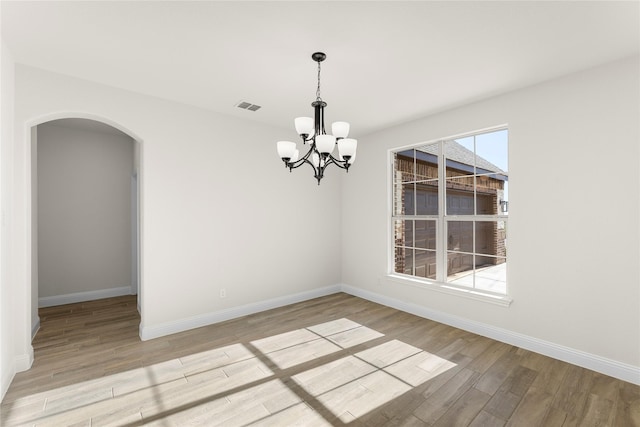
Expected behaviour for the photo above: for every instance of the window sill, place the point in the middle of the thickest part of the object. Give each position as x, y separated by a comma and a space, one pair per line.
475, 294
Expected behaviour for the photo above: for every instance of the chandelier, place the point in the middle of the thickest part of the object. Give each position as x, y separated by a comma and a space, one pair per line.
321, 144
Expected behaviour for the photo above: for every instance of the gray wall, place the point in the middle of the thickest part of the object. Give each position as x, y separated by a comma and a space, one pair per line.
84, 208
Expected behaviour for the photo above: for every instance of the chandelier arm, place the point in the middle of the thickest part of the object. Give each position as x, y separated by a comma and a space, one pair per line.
304, 159
295, 164
298, 163
342, 164
317, 173
302, 162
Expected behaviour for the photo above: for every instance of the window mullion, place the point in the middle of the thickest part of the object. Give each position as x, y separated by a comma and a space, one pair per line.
473, 242
441, 248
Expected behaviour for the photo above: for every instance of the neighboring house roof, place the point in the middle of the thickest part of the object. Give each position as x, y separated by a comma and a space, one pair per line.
458, 153
464, 157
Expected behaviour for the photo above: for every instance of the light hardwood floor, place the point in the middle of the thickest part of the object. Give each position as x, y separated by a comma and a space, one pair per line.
337, 360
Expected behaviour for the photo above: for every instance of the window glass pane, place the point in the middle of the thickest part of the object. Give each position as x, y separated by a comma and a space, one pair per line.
404, 168
403, 260
502, 238
460, 236
491, 274
490, 192
426, 170
460, 268
425, 234
486, 232
459, 196
403, 199
491, 152
491, 238
461, 183
485, 261
503, 199
466, 142
485, 275
486, 204
493, 161
403, 232
425, 264
427, 198
427, 162
459, 157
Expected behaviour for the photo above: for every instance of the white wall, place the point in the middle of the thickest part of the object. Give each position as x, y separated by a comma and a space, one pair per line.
7, 293
35, 317
218, 208
573, 267
84, 210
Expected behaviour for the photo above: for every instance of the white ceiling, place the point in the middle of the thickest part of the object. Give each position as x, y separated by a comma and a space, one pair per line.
387, 62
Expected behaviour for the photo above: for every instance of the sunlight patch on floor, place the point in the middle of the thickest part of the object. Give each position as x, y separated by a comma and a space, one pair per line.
236, 385
271, 400
355, 385
363, 395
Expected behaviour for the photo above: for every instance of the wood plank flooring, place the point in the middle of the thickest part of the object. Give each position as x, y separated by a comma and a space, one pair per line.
337, 360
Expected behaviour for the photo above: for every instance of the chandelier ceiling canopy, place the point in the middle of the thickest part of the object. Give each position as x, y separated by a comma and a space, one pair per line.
321, 144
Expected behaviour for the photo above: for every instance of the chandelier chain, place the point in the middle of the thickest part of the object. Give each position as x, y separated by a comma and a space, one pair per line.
318, 89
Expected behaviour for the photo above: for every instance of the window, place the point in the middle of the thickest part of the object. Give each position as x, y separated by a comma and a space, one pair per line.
450, 211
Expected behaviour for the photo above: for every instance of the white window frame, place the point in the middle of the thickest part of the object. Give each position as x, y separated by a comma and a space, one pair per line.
442, 220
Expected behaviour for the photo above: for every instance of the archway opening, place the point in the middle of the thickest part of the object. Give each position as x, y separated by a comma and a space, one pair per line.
85, 213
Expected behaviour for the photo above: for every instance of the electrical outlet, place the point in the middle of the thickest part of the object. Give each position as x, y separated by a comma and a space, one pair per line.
223, 293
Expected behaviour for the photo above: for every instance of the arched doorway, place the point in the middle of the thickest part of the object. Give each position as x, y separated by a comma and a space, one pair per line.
85, 221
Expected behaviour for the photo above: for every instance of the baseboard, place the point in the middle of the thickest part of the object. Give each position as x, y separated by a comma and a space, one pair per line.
7, 378
35, 328
151, 332
24, 361
596, 363
83, 296
20, 363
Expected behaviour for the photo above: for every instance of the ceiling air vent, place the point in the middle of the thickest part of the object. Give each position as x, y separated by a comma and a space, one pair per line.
248, 106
